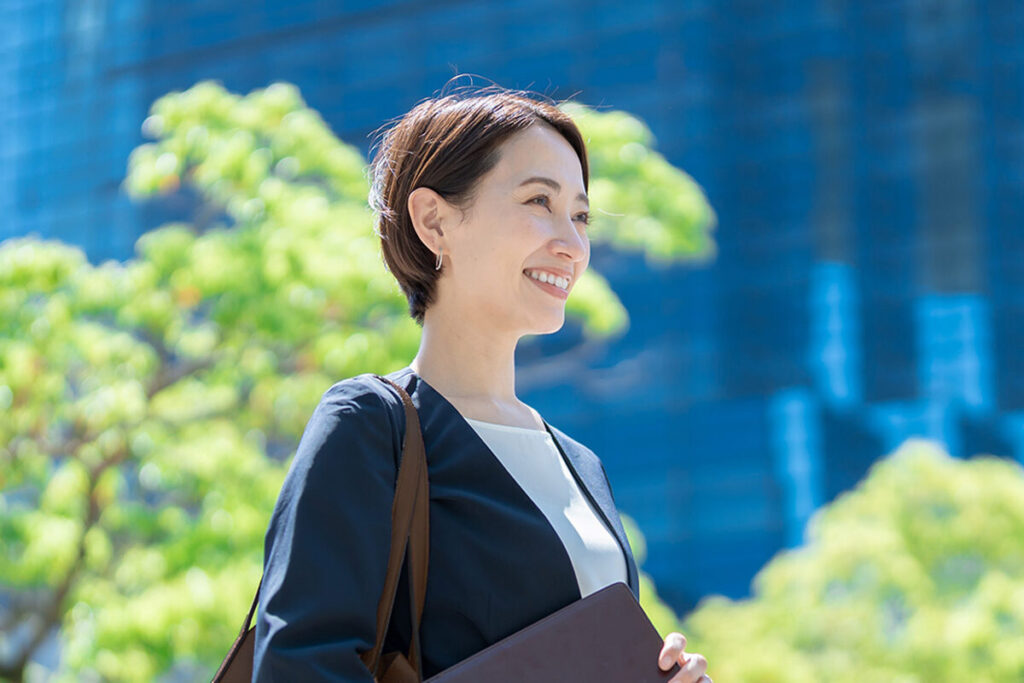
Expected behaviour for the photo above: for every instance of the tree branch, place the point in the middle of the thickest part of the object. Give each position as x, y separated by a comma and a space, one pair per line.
53, 610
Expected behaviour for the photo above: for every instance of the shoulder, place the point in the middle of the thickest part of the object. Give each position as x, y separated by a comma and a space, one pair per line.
362, 400
353, 420
360, 393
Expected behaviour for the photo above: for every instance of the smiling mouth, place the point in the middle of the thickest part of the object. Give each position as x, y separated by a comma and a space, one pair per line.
553, 290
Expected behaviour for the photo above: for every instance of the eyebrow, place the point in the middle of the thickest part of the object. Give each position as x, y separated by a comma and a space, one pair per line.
553, 184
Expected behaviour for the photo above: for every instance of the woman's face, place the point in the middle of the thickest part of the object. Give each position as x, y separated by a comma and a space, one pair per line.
528, 216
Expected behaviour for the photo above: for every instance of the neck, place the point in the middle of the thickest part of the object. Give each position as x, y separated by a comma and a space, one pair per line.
466, 361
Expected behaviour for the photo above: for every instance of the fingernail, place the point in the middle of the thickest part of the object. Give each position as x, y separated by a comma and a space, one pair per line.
665, 661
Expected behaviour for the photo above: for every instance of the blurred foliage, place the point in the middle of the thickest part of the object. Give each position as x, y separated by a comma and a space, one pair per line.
641, 201
915, 576
638, 201
151, 407
660, 614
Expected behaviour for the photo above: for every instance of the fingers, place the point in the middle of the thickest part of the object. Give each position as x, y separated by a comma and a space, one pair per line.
689, 677
694, 669
674, 645
693, 666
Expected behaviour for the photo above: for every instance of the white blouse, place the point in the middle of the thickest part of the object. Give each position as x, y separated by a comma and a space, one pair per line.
532, 458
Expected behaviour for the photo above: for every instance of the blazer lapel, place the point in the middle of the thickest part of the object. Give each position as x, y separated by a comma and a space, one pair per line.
589, 474
583, 463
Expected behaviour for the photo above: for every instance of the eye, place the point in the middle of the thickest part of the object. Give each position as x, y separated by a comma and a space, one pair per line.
542, 197
583, 217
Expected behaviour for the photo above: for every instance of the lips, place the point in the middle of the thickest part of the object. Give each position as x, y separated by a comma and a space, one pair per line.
557, 292
556, 272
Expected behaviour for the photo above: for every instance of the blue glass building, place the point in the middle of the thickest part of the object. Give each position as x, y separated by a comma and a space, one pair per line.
866, 161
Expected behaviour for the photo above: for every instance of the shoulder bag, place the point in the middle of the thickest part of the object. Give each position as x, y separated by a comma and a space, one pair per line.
410, 535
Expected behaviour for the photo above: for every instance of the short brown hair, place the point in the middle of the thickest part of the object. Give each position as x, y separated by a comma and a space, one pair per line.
447, 143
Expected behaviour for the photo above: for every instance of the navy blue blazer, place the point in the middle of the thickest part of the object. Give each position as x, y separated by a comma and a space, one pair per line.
496, 565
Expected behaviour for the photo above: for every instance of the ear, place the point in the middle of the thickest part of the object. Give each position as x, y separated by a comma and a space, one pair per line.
428, 212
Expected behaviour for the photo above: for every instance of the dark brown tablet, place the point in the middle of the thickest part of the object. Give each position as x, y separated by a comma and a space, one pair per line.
604, 637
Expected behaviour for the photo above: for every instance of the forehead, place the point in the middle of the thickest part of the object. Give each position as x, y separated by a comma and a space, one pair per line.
539, 150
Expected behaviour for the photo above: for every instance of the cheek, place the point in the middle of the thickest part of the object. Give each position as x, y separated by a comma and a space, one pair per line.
586, 258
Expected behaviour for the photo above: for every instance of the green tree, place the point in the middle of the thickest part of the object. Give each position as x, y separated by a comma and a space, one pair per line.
151, 407
915, 576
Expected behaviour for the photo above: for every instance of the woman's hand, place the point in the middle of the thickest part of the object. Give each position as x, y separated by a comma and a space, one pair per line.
692, 665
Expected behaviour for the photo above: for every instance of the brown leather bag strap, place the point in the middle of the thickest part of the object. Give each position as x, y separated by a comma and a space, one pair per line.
409, 533
419, 555
252, 610
409, 529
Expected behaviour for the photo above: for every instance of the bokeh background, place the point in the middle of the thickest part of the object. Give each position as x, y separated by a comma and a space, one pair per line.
862, 165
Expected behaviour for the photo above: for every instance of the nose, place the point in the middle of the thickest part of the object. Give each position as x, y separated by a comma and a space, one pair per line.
571, 240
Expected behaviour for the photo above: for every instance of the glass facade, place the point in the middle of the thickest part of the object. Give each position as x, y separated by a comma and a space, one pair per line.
866, 161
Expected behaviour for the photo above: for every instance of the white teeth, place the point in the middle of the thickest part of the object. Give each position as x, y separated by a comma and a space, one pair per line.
560, 282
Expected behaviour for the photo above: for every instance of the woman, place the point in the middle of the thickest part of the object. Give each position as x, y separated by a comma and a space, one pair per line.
482, 213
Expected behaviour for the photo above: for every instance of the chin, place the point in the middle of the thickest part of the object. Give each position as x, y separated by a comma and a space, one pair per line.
550, 326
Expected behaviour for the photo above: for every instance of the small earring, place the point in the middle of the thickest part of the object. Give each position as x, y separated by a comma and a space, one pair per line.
439, 253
